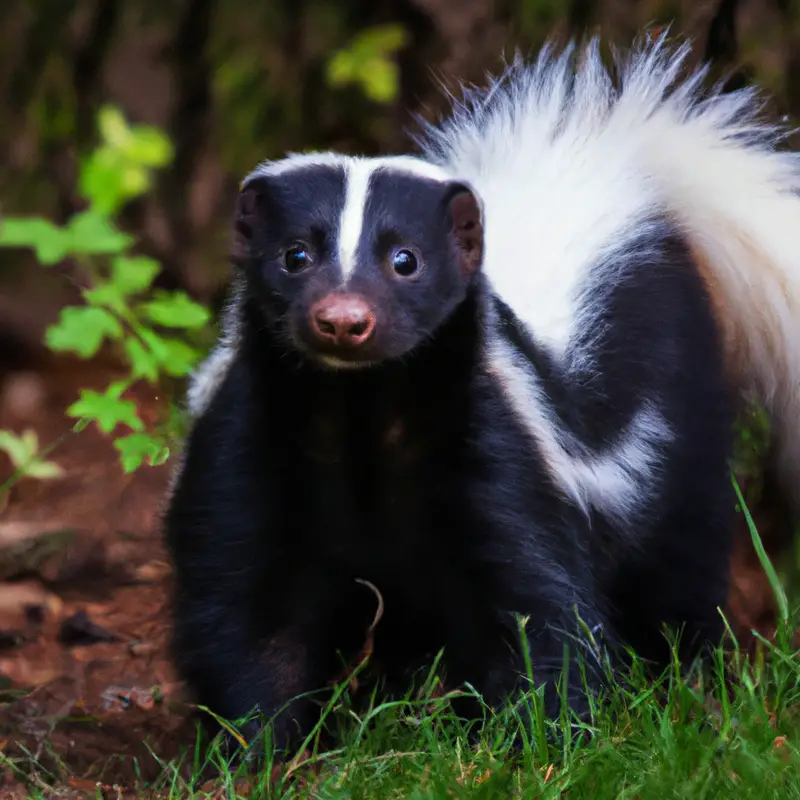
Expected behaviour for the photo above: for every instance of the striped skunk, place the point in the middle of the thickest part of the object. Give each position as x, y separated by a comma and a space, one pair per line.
495, 379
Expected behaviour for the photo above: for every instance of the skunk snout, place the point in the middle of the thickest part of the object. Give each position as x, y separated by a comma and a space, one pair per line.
342, 320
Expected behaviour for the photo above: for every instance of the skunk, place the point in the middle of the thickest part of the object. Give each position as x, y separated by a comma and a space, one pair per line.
495, 380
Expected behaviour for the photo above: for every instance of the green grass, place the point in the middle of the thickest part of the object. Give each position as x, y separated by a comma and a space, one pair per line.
680, 737
729, 730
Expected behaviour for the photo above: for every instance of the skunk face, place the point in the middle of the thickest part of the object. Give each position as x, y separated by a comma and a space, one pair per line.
356, 261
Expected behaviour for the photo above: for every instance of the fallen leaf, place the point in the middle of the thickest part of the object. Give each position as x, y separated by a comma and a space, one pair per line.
32, 549
18, 532
485, 777
25, 672
298, 761
83, 784
152, 572
141, 649
121, 698
780, 746
80, 630
243, 787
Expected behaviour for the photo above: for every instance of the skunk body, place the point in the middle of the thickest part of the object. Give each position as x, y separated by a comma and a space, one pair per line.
497, 380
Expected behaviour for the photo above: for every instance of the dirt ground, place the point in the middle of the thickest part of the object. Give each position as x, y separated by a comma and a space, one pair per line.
84, 670
86, 686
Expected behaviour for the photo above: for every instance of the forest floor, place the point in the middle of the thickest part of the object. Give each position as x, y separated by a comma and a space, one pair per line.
88, 698
84, 671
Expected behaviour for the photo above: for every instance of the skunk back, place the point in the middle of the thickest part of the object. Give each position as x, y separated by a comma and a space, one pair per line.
571, 165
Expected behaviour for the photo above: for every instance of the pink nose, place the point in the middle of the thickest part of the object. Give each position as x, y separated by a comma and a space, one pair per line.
342, 319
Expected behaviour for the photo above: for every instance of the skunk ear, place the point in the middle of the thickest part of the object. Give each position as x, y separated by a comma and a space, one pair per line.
249, 214
467, 220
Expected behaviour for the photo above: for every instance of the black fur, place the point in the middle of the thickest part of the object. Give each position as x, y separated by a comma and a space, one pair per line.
414, 474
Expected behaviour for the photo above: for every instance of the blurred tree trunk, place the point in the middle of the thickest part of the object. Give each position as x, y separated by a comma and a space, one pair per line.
189, 126
71, 57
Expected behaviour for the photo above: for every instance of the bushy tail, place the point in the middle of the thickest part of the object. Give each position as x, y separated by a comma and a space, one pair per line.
711, 157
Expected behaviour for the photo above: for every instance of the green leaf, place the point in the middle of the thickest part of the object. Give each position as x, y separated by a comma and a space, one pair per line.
93, 232
340, 69
109, 180
148, 147
101, 180
133, 274
81, 330
141, 144
381, 81
175, 310
42, 470
108, 410
161, 457
367, 61
381, 39
23, 450
136, 447
50, 242
143, 363
18, 448
113, 127
135, 180
106, 295
175, 357
181, 358
120, 168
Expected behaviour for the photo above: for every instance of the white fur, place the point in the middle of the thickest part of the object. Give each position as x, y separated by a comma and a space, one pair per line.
553, 205
208, 376
565, 174
358, 175
294, 161
616, 482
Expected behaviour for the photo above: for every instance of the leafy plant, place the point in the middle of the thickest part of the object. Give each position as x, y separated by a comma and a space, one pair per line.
367, 61
26, 458
120, 305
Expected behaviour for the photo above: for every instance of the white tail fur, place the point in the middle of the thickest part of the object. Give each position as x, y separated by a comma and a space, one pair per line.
586, 157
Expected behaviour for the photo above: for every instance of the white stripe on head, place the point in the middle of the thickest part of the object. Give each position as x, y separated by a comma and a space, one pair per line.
358, 175
359, 171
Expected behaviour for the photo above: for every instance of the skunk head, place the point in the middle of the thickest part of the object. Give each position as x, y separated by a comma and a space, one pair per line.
356, 261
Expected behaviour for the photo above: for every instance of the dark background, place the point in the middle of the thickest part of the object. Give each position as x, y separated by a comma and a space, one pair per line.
236, 82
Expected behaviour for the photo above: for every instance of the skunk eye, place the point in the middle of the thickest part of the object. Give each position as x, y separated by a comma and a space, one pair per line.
296, 258
404, 263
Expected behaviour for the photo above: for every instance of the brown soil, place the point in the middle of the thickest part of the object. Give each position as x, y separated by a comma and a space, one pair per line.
84, 621
86, 686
